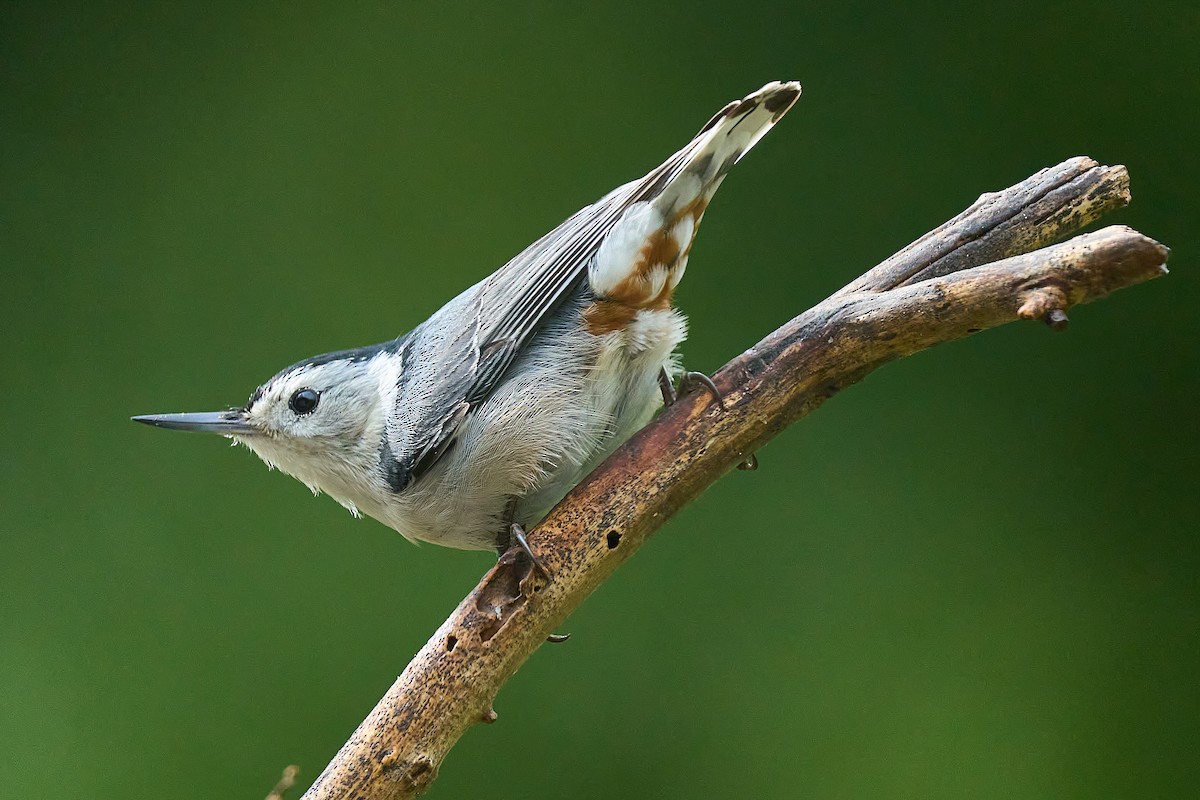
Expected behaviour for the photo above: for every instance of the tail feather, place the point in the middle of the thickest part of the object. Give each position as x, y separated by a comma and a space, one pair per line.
738, 127
644, 256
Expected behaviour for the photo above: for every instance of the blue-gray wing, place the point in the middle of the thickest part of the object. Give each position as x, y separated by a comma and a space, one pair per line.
457, 358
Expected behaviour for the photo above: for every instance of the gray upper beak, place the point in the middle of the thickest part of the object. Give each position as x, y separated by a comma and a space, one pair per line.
226, 423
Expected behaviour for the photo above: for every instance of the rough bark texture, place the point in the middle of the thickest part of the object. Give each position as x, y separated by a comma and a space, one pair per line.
1038, 211
944, 286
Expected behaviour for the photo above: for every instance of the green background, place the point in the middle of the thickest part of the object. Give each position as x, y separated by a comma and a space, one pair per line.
973, 575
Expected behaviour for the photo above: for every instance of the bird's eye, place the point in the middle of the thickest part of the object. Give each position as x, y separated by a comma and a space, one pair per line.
304, 401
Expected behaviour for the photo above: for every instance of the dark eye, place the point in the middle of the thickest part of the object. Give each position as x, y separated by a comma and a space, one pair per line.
304, 401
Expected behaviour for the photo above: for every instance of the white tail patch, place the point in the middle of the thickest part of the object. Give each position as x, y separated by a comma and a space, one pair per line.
619, 250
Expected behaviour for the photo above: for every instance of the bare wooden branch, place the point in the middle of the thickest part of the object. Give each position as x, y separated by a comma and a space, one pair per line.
1038, 211
888, 313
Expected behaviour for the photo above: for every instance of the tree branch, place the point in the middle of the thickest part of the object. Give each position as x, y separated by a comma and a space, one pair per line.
939, 288
1038, 211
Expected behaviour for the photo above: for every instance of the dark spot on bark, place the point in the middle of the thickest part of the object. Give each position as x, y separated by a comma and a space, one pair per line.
451, 643
974, 330
420, 774
614, 539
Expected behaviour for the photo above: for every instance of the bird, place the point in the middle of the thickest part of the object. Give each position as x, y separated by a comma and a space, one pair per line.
467, 430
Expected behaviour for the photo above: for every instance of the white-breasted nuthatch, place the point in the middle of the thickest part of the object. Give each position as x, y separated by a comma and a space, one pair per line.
475, 423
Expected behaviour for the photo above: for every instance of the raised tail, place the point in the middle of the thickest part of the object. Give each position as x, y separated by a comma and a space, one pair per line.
643, 257
730, 134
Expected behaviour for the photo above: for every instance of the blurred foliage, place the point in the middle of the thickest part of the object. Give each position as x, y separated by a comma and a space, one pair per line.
974, 575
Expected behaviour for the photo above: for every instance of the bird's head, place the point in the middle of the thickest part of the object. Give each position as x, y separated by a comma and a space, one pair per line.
320, 420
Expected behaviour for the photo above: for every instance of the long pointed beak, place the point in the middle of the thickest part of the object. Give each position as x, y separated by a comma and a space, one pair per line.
226, 423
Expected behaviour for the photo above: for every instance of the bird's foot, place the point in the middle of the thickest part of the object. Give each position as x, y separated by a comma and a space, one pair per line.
516, 538
688, 381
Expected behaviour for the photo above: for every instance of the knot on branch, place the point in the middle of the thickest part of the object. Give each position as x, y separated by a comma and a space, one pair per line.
415, 774
1048, 303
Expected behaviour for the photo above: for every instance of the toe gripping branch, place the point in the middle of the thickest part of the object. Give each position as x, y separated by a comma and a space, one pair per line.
518, 540
688, 382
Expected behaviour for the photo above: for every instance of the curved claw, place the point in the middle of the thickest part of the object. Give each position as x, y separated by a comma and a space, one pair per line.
517, 537
687, 382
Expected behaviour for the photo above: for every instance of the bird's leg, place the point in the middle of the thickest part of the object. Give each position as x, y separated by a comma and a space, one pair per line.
687, 382
516, 538
669, 395
513, 535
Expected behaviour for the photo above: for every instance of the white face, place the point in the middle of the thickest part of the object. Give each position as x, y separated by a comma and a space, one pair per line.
323, 424
314, 402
